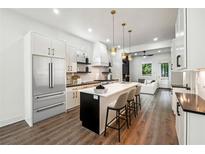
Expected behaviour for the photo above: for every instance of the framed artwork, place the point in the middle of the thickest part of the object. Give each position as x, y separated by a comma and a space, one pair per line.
147, 69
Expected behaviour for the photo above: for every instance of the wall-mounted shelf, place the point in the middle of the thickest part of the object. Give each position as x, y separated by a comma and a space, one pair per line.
83, 63
106, 72
83, 72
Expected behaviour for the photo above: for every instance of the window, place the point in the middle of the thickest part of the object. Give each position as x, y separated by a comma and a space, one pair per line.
147, 69
164, 70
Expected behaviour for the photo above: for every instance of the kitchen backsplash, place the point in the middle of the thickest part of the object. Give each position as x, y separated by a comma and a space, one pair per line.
196, 81
200, 85
96, 74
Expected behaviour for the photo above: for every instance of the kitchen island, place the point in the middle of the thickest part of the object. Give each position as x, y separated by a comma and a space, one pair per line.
93, 106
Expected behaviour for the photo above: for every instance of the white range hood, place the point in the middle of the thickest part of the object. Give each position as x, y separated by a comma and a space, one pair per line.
100, 55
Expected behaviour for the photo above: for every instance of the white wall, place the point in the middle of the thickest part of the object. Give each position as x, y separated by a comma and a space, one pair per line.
152, 46
136, 66
13, 27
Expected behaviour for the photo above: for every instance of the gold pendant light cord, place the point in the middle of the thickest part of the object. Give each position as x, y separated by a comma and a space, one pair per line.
113, 38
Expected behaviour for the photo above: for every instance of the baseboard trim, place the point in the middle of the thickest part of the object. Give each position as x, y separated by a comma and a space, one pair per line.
11, 120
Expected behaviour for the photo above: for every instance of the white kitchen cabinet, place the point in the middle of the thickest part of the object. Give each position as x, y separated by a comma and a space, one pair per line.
195, 38
195, 127
41, 45
189, 126
71, 59
179, 52
58, 48
45, 46
174, 102
71, 97
173, 59
189, 35
181, 125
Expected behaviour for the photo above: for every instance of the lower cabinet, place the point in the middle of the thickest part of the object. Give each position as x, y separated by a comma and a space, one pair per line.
195, 129
72, 98
190, 127
181, 125
73, 95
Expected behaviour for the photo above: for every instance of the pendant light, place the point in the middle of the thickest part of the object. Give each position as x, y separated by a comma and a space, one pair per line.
113, 48
123, 40
129, 56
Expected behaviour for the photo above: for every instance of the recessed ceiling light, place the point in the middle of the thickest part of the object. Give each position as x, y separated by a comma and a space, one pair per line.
118, 46
90, 30
144, 56
107, 40
155, 39
159, 51
135, 54
56, 11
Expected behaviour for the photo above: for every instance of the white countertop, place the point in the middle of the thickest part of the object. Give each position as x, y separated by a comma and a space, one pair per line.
112, 88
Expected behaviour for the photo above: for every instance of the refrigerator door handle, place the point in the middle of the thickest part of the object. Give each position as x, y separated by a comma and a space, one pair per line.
49, 107
49, 95
52, 75
49, 73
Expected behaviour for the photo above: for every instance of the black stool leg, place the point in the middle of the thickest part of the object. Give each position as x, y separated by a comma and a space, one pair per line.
140, 102
126, 117
118, 123
106, 121
129, 109
134, 108
136, 103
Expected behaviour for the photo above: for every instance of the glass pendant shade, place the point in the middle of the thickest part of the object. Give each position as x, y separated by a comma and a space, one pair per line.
130, 57
113, 50
123, 55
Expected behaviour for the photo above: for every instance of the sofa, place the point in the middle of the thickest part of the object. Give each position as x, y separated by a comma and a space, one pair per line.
148, 86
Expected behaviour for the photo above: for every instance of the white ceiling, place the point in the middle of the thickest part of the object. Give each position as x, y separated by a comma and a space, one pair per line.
145, 23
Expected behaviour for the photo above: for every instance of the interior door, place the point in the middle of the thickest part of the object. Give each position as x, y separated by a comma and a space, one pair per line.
41, 76
40, 44
58, 75
58, 48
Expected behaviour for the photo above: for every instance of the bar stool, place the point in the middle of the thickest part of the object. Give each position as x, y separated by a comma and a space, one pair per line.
137, 95
131, 104
120, 106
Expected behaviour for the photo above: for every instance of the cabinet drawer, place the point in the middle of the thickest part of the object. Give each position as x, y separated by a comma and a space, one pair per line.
46, 100
48, 111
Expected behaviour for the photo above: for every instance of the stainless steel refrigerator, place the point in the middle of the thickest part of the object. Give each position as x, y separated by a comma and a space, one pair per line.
48, 87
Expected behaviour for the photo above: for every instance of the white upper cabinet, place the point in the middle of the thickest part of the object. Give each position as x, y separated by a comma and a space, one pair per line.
173, 59
189, 40
195, 38
71, 59
180, 53
42, 45
58, 48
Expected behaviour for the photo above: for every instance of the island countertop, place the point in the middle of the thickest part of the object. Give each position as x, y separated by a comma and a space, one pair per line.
111, 88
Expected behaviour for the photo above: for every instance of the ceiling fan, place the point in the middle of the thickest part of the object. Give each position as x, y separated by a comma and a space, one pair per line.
143, 54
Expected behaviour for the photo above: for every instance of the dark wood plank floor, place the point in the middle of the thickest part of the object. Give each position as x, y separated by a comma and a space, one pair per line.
155, 124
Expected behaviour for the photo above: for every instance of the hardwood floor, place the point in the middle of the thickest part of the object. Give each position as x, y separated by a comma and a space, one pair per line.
155, 124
